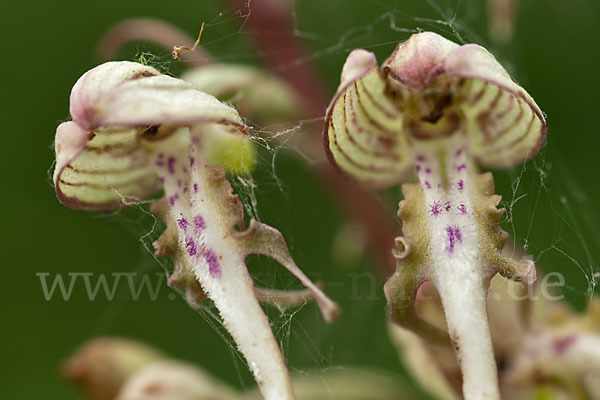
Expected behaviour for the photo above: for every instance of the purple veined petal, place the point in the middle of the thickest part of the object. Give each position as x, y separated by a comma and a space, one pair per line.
96, 83
101, 170
363, 136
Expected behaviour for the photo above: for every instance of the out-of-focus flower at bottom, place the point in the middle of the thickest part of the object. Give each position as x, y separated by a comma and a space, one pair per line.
543, 349
121, 369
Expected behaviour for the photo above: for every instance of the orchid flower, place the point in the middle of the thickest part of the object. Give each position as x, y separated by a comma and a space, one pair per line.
546, 350
135, 131
437, 109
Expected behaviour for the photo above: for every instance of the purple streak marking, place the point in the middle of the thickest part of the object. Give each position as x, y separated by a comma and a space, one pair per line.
457, 234
461, 167
195, 188
561, 345
183, 224
173, 198
190, 246
171, 165
451, 239
427, 185
454, 235
199, 222
213, 264
461, 185
447, 206
463, 209
192, 161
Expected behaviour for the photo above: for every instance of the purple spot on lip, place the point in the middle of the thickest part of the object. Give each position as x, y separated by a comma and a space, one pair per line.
418, 168
190, 246
463, 209
427, 185
461, 185
561, 345
428, 170
171, 165
436, 209
192, 161
173, 198
183, 224
213, 264
461, 167
199, 222
420, 158
195, 188
447, 206
459, 151
185, 189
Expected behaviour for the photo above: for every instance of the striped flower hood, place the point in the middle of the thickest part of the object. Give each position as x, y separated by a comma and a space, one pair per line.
429, 88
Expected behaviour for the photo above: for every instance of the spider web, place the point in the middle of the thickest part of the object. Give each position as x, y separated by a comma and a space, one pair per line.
539, 191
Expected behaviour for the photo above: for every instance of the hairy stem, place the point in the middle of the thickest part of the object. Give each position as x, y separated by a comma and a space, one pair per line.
457, 265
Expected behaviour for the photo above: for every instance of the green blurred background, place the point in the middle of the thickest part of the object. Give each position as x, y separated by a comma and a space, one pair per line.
48, 45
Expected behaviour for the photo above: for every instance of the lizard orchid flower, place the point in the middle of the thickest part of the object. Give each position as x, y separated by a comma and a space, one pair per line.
437, 109
135, 131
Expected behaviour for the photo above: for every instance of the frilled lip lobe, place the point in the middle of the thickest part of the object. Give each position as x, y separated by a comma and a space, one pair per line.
100, 162
415, 65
